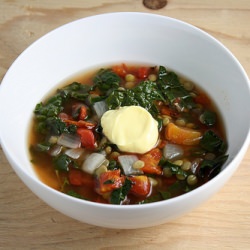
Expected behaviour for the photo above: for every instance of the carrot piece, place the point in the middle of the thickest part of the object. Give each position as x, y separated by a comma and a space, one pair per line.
110, 180
78, 178
87, 138
140, 185
151, 161
183, 136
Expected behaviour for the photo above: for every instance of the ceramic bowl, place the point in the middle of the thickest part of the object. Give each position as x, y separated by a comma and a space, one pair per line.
113, 38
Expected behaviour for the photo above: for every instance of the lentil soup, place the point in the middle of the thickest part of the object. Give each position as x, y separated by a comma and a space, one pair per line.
85, 142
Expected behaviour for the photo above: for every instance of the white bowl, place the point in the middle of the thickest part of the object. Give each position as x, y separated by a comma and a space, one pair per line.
112, 38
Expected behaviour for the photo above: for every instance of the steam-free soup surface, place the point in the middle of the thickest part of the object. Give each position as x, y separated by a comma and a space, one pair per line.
87, 140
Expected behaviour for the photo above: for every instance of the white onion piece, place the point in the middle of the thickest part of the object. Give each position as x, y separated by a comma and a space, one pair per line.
172, 151
100, 108
55, 150
92, 162
126, 162
74, 153
69, 141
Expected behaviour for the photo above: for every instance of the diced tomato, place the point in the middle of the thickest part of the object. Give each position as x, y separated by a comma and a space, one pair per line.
140, 185
110, 180
79, 178
120, 70
87, 138
151, 160
143, 72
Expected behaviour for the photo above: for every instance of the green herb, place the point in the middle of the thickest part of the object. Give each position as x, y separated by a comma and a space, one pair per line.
212, 142
173, 91
175, 169
208, 118
210, 168
106, 80
144, 95
75, 194
62, 162
75, 90
118, 195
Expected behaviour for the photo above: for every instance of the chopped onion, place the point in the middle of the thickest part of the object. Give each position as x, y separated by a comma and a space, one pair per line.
100, 108
74, 153
69, 141
126, 162
172, 151
55, 150
92, 162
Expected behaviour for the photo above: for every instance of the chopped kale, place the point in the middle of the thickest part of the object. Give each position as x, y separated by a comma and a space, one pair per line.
106, 80
118, 195
173, 91
212, 142
210, 168
62, 162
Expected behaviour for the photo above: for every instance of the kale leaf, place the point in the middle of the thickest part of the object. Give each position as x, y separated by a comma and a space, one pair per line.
106, 79
144, 95
210, 168
173, 91
212, 142
118, 195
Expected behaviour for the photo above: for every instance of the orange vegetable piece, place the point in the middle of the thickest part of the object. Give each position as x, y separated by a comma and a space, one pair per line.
87, 138
110, 180
140, 185
120, 70
151, 161
143, 72
83, 113
183, 136
79, 178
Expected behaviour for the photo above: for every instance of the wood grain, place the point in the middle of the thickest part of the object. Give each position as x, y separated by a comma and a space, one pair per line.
26, 222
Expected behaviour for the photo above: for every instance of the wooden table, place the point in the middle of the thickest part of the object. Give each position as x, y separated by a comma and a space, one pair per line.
26, 222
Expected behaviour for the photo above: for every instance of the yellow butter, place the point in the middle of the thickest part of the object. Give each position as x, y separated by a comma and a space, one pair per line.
131, 128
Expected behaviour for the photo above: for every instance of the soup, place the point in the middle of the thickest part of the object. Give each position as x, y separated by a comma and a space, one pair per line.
127, 134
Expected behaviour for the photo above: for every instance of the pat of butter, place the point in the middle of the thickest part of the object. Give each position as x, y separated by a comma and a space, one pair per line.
131, 128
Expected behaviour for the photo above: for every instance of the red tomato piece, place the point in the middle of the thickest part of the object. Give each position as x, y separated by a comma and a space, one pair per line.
79, 178
87, 138
120, 70
151, 160
140, 185
143, 72
110, 180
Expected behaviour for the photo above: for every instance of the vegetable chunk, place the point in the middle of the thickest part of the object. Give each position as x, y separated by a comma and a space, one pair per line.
183, 136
